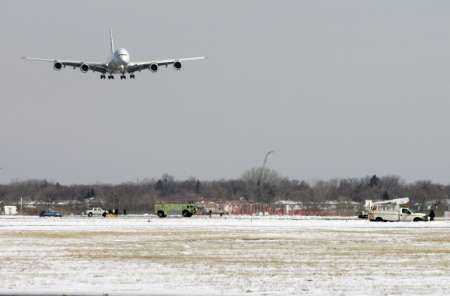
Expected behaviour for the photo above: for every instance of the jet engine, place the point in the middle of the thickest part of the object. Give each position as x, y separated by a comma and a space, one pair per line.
57, 66
177, 65
84, 68
153, 67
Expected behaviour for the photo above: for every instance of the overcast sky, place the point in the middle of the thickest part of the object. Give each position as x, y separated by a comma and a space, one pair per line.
337, 88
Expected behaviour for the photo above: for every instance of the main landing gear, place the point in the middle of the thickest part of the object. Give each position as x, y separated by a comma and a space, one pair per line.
125, 77
103, 76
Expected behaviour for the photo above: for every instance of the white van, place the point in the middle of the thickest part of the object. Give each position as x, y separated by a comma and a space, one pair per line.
95, 212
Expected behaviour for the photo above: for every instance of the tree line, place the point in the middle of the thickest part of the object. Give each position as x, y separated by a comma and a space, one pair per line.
255, 185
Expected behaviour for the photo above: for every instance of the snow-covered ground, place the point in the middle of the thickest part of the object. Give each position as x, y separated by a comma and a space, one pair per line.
223, 256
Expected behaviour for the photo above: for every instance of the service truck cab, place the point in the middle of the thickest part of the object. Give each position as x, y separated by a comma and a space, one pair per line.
394, 210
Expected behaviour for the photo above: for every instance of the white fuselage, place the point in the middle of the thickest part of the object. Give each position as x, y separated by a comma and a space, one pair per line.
119, 61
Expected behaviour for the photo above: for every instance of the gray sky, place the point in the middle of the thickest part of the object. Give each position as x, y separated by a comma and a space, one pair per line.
337, 88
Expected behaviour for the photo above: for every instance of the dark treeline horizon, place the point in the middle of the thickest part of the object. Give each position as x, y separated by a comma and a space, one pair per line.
255, 185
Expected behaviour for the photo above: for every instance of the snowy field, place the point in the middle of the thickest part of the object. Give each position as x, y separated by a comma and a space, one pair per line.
223, 256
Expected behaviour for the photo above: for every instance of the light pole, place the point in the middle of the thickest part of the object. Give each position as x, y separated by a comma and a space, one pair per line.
266, 157
261, 175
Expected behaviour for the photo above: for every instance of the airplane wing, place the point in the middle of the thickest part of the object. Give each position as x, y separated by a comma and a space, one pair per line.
153, 65
84, 66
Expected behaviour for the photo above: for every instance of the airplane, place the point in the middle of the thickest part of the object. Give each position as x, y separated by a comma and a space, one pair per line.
118, 63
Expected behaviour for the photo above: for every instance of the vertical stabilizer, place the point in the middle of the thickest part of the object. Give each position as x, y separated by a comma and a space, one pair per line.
111, 41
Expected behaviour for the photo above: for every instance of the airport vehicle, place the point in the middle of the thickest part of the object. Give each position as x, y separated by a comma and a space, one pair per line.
118, 63
394, 210
50, 213
175, 208
95, 212
363, 215
365, 212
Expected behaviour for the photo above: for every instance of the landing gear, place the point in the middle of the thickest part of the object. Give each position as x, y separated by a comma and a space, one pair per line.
103, 76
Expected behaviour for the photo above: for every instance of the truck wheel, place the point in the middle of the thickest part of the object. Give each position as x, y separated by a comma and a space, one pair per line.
160, 214
379, 219
417, 219
185, 213
89, 214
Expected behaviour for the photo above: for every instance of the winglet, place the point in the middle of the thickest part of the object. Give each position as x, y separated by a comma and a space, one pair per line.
111, 41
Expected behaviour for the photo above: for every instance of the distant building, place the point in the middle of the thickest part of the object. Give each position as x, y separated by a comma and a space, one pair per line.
10, 210
282, 208
212, 207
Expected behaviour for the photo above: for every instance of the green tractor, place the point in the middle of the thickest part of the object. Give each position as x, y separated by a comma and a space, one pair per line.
162, 209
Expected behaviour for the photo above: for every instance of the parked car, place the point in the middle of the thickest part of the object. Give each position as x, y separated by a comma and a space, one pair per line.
50, 213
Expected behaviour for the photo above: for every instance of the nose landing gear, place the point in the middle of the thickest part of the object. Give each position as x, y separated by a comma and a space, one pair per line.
123, 77
110, 76
102, 76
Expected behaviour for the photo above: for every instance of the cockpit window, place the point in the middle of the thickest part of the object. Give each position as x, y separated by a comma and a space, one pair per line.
122, 52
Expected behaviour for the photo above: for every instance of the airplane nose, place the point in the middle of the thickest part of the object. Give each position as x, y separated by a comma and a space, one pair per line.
124, 58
